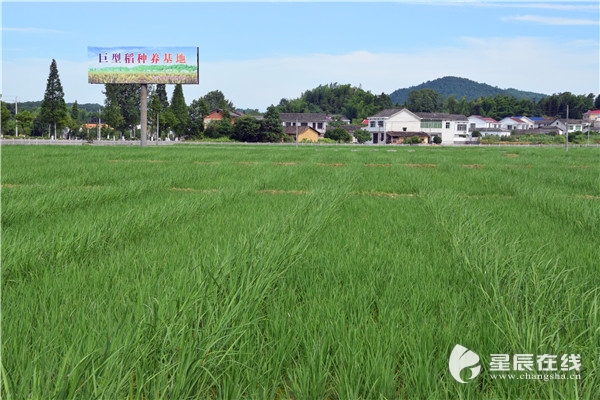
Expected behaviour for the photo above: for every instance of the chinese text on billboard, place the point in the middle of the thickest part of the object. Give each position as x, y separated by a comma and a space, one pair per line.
143, 65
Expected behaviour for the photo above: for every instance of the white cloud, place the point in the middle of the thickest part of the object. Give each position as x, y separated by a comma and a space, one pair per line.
552, 20
524, 63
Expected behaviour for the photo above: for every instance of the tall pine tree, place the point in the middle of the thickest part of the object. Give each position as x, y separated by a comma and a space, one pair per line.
161, 92
53, 110
180, 111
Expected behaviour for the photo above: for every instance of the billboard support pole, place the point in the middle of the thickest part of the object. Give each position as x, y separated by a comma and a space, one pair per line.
144, 114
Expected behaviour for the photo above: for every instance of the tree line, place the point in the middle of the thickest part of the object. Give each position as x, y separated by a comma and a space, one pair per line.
120, 113
501, 105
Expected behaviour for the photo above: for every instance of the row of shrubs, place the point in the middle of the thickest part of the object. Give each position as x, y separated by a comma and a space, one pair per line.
551, 138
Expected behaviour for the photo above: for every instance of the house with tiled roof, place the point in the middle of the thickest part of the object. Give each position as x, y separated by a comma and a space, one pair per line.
301, 133
402, 123
572, 125
317, 121
514, 123
542, 123
218, 114
591, 116
479, 122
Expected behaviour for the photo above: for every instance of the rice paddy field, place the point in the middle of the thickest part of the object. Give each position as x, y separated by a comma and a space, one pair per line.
275, 272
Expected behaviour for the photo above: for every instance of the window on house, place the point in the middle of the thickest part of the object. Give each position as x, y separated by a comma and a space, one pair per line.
303, 123
472, 126
404, 129
431, 123
380, 124
461, 127
447, 125
320, 125
372, 124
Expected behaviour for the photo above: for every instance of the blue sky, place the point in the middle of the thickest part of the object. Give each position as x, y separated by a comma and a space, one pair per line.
258, 53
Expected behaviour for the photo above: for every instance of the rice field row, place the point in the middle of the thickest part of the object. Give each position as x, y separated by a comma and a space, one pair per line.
207, 272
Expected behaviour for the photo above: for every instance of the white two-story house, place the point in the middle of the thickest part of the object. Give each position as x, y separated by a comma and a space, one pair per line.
486, 126
316, 121
515, 123
389, 125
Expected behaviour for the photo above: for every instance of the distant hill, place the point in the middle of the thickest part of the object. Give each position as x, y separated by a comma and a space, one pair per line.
459, 87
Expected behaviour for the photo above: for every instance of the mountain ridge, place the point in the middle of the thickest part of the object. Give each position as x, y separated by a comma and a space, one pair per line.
459, 87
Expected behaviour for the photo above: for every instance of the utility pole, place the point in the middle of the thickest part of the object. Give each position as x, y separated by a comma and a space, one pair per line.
296, 132
16, 112
99, 124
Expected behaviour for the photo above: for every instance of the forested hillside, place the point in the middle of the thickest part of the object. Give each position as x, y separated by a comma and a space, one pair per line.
459, 87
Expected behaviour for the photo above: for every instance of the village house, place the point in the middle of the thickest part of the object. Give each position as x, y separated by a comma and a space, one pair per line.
305, 133
592, 117
573, 125
395, 125
317, 121
515, 123
217, 115
477, 122
486, 126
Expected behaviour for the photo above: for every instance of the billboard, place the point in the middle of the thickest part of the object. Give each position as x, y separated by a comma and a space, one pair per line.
143, 65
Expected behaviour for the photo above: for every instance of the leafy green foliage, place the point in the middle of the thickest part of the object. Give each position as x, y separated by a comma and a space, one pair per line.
246, 129
425, 100
362, 135
412, 140
198, 109
353, 102
24, 122
124, 101
216, 99
339, 135
6, 119
556, 105
271, 128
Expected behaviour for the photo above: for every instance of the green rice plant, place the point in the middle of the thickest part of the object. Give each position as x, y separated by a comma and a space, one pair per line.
275, 272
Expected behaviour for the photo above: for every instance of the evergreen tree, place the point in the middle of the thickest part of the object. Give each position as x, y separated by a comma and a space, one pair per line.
54, 109
161, 92
271, 129
75, 112
180, 110
74, 120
